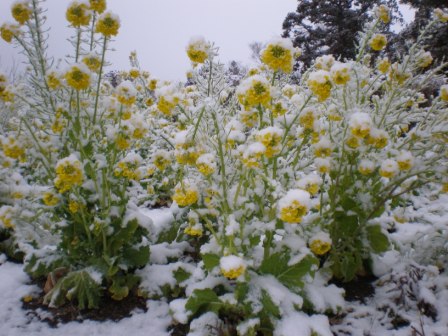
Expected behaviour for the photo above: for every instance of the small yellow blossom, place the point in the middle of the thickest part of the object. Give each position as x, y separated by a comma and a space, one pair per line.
108, 24
366, 167
68, 174
53, 80
389, 168
271, 139
122, 142
167, 104
6, 217
21, 11
444, 92
294, 205
8, 31
152, 84
383, 65
398, 74
382, 12
340, 73
128, 168
12, 149
445, 187
78, 14
320, 243
278, 55
307, 118
206, 164
424, 60
352, 142
126, 93
185, 194
441, 15
93, 62
193, 231
78, 77
278, 110
378, 42
134, 73
232, 266
74, 206
50, 199
98, 6
254, 91
405, 161
197, 50
324, 62
320, 84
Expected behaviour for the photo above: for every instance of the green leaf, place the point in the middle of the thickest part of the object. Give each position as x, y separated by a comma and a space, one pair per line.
210, 261
377, 239
136, 257
290, 276
269, 306
203, 300
181, 275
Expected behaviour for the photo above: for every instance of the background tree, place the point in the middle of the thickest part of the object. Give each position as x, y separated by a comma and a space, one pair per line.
322, 27
437, 43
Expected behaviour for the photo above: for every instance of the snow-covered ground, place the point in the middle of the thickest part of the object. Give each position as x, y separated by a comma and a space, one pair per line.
411, 294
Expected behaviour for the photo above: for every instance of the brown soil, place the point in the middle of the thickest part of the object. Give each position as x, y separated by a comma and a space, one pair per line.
110, 310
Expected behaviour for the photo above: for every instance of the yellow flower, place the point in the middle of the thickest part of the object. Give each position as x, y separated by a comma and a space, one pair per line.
424, 60
294, 205
122, 142
383, 13
252, 155
74, 206
360, 124
383, 65
307, 118
319, 83
162, 160
167, 104
206, 164
340, 73
129, 167
323, 148
441, 15
271, 139
232, 266
6, 217
50, 199
68, 174
58, 126
78, 14
389, 168
134, 73
398, 74
324, 62
405, 161
378, 42
152, 84
320, 243
53, 80
8, 31
21, 11
12, 149
278, 55
366, 167
185, 194
352, 142
377, 138
126, 93
92, 61
278, 110
193, 231
445, 187
108, 24
444, 92
254, 91
98, 6
197, 50
78, 77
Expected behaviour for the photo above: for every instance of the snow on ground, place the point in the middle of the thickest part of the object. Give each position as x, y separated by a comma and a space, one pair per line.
411, 294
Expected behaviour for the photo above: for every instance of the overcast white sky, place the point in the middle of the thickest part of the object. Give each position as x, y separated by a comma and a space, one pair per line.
160, 29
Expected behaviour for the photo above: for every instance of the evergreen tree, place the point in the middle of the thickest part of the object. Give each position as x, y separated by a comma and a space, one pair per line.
323, 27
437, 43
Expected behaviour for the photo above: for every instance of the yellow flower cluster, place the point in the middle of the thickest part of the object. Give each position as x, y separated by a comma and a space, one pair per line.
278, 55
185, 194
161, 160
93, 62
50, 199
128, 169
78, 77
340, 73
167, 104
232, 266
378, 42
108, 24
254, 91
424, 60
21, 11
98, 6
126, 93
68, 174
443, 94
53, 80
12, 149
320, 84
197, 50
78, 14
383, 65
206, 164
193, 231
6, 217
320, 243
74, 206
8, 31
271, 138
293, 206
382, 12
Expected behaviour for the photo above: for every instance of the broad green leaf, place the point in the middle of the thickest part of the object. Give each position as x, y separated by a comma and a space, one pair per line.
210, 261
203, 300
181, 275
269, 306
377, 239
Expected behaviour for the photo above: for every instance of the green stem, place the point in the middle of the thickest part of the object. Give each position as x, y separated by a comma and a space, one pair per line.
103, 54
